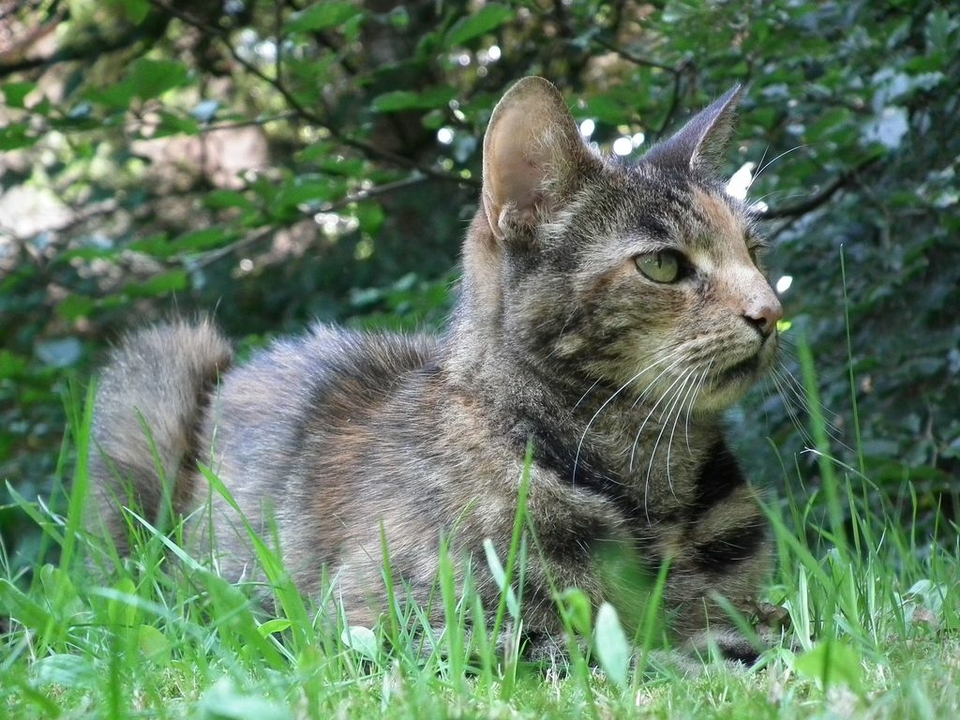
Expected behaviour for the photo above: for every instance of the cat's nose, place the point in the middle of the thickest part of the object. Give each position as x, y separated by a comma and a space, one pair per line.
763, 313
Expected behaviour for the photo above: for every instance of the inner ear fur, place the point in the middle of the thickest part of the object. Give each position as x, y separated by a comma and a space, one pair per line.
532, 152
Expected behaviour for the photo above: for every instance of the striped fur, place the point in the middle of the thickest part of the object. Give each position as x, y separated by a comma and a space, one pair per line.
558, 339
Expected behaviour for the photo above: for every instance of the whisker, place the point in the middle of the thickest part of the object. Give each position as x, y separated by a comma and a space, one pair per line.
588, 391
624, 386
650, 413
761, 168
693, 400
673, 430
789, 405
800, 392
636, 440
792, 392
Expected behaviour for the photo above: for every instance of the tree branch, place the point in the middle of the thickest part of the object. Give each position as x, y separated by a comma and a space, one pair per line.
150, 29
676, 71
636, 59
812, 203
262, 233
364, 147
674, 98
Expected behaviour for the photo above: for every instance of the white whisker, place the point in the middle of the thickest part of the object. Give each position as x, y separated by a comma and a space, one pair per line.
761, 168
682, 402
693, 400
610, 399
636, 440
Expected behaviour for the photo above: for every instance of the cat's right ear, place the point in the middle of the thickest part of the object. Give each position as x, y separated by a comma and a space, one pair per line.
532, 152
699, 145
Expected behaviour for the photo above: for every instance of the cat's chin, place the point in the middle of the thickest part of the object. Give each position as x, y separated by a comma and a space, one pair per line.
744, 372
731, 384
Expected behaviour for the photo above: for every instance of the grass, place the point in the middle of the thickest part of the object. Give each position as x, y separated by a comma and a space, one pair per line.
875, 624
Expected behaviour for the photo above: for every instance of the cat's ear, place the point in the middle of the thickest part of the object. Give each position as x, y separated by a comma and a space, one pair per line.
699, 146
531, 152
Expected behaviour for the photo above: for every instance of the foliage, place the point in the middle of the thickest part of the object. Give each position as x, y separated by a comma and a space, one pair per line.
277, 162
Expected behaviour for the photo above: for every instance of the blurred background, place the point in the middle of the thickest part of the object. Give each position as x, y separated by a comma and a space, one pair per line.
280, 162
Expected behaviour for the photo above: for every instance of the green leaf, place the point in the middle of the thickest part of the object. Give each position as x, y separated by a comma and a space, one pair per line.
14, 93
220, 199
60, 591
319, 150
122, 609
488, 18
409, 100
577, 609
161, 284
150, 78
22, 608
206, 239
147, 78
223, 701
362, 640
307, 189
273, 626
400, 100
939, 28
158, 246
153, 644
607, 109
12, 365
371, 217
612, 646
500, 577
339, 165
134, 10
15, 136
115, 97
321, 16
832, 662
68, 670
172, 124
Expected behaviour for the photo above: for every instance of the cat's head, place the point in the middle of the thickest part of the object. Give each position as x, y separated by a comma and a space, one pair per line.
644, 276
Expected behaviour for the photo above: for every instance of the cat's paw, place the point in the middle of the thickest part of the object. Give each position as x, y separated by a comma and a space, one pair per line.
768, 622
727, 644
770, 617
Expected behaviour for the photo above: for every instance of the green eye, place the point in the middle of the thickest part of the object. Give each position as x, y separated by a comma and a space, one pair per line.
662, 266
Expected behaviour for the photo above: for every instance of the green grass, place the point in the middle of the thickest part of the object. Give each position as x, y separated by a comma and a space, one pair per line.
874, 607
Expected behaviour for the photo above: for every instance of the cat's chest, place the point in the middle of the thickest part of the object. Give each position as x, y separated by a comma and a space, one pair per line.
661, 464
650, 469
644, 484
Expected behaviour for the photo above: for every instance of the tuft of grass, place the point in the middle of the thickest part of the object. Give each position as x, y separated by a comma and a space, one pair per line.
875, 620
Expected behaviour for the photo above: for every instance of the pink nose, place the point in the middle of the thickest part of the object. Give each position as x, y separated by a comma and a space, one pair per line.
763, 313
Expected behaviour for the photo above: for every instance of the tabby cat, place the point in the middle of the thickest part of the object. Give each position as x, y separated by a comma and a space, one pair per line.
609, 313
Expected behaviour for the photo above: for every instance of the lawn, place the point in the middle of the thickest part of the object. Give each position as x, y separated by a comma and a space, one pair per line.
873, 606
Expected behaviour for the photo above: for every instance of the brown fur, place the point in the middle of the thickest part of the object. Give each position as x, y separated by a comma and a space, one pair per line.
618, 380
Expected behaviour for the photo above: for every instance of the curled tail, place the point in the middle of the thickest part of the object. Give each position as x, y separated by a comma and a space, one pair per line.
148, 414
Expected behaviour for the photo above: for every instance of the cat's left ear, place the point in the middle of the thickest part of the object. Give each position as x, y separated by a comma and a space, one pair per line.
532, 155
699, 146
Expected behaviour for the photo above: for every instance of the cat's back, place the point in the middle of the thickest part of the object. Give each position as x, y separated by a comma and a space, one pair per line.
301, 391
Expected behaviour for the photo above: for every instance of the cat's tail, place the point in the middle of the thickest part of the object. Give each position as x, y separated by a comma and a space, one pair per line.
151, 400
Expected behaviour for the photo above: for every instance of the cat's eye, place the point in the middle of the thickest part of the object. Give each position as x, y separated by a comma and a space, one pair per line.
662, 266
757, 247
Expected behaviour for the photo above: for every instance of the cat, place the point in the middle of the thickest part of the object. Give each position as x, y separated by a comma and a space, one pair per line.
609, 313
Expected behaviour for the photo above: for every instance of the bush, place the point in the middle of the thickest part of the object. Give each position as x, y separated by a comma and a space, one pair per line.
275, 163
